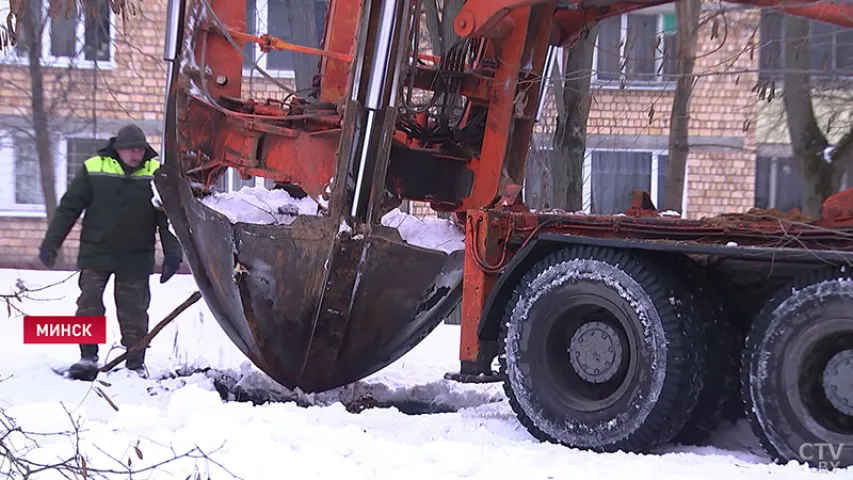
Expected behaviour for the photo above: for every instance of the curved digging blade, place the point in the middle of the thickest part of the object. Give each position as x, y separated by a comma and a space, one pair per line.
311, 308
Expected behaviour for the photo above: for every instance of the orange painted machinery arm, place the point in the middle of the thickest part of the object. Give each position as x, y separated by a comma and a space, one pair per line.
456, 162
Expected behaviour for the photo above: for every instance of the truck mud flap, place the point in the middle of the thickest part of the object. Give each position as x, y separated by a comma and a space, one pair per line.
310, 305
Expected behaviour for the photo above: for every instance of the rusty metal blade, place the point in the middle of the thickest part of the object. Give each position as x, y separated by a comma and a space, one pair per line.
311, 308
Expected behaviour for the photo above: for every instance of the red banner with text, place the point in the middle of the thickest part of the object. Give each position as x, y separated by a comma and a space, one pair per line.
65, 330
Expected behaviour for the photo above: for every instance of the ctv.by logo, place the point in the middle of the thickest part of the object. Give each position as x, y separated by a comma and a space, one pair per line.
825, 456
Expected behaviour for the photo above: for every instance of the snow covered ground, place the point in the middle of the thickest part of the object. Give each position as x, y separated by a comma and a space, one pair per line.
162, 418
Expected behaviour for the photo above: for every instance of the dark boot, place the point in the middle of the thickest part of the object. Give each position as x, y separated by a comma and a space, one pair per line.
85, 369
136, 362
90, 302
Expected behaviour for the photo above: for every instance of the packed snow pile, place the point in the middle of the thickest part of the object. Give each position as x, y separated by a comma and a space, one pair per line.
277, 207
434, 233
261, 205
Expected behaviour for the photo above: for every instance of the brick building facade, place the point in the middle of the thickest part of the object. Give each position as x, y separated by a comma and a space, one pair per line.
739, 156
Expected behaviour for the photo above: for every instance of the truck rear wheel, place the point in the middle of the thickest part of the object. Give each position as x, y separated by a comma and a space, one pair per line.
721, 376
602, 351
797, 369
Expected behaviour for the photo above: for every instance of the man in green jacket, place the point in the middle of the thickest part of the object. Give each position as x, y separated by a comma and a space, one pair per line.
117, 238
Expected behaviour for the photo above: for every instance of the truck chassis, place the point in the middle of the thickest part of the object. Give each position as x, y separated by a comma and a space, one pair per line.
627, 332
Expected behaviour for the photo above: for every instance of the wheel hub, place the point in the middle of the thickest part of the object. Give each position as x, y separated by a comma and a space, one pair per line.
595, 352
838, 381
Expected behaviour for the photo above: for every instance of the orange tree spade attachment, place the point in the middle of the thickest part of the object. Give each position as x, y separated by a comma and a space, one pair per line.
327, 299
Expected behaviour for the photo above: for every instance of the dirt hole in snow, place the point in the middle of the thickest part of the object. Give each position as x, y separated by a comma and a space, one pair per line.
441, 396
259, 396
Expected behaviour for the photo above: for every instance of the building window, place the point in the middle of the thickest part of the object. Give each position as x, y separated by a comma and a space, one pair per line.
28, 189
611, 176
78, 150
27, 174
779, 183
258, 15
537, 186
78, 38
636, 48
831, 49
231, 182
21, 171
20, 168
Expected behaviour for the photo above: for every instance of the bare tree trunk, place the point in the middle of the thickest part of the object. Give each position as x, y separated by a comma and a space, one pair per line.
687, 19
448, 34
31, 26
440, 27
433, 24
304, 28
807, 140
842, 158
573, 102
442, 36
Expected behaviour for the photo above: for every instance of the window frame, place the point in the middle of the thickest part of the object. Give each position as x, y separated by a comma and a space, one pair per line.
59, 142
819, 78
103, 138
79, 61
555, 56
8, 205
655, 187
661, 82
773, 182
262, 26
586, 174
231, 176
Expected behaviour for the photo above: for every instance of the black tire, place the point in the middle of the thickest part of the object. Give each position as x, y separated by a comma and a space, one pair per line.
721, 379
739, 322
798, 332
661, 378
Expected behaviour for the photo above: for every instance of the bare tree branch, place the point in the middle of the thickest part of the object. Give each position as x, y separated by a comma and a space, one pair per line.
23, 292
17, 446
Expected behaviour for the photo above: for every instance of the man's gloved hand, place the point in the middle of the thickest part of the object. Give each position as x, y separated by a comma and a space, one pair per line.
47, 255
170, 267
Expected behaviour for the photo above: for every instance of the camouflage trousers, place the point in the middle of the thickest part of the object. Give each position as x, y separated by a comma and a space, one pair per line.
132, 298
